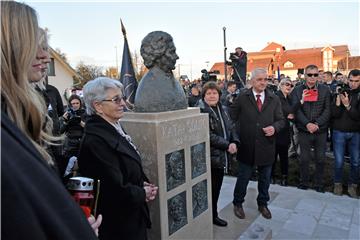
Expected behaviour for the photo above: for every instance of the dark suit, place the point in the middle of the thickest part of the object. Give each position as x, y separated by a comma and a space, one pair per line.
106, 155
255, 149
34, 202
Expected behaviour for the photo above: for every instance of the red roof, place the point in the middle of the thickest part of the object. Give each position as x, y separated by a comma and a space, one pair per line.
272, 47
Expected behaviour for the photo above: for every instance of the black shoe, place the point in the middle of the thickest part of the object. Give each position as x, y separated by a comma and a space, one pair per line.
219, 222
319, 189
303, 187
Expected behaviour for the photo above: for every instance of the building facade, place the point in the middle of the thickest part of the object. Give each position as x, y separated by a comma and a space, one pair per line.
275, 57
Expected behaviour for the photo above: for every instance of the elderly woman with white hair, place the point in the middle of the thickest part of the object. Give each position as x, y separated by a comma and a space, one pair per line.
108, 154
283, 136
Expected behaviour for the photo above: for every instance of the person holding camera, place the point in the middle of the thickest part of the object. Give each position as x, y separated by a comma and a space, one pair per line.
228, 96
73, 127
311, 105
239, 64
345, 111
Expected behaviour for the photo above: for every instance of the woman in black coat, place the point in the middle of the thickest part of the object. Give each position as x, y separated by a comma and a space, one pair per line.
283, 136
107, 154
223, 140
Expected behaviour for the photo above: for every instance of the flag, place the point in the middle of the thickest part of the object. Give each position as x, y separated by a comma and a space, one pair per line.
127, 74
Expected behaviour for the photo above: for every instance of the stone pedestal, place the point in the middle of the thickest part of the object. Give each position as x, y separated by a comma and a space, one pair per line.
175, 152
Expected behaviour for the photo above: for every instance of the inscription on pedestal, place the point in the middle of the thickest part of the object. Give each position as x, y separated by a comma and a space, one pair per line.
175, 169
199, 198
177, 216
198, 160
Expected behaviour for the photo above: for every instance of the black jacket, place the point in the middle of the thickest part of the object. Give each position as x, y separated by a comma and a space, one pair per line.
218, 142
255, 148
106, 155
34, 202
283, 136
311, 112
347, 120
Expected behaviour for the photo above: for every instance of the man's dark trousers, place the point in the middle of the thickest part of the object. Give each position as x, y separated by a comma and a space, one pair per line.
318, 142
245, 172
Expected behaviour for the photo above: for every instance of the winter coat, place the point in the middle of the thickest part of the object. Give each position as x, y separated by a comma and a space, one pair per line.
109, 157
283, 136
256, 148
312, 112
34, 202
347, 120
218, 142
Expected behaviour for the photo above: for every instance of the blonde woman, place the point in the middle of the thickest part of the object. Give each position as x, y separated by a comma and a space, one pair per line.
35, 205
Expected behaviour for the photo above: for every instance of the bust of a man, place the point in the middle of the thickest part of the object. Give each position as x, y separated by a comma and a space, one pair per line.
158, 90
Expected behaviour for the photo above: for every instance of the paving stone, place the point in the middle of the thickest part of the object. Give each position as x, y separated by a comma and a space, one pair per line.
287, 234
297, 214
301, 223
311, 207
356, 216
272, 224
286, 201
354, 232
337, 216
257, 231
326, 232
280, 214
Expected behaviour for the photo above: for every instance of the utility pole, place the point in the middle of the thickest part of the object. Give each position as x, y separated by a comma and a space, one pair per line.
225, 48
347, 62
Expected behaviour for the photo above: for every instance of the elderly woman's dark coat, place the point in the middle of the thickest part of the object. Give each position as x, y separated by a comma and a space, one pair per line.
256, 148
106, 155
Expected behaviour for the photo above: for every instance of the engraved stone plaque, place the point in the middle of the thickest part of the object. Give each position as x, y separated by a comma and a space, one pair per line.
175, 169
199, 198
177, 215
198, 160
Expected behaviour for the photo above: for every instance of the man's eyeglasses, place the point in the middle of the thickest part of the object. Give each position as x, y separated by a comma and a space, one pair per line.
312, 74
289, 84
116, 100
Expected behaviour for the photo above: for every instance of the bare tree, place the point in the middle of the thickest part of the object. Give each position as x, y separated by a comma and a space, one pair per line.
87, 73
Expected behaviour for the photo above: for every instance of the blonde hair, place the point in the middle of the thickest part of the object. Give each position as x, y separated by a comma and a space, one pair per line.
19, 43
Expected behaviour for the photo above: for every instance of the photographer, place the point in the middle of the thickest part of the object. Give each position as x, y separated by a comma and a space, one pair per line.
239, 62
345, 111
73, 127
228, 96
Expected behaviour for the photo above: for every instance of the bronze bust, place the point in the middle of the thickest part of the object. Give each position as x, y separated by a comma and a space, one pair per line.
158, 90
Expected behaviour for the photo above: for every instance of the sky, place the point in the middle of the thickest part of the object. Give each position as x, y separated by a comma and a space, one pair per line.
90, 31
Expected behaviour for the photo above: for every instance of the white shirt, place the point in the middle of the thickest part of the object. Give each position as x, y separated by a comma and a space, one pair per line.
262, 96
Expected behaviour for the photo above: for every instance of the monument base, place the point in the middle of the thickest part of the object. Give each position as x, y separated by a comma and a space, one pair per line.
175, 152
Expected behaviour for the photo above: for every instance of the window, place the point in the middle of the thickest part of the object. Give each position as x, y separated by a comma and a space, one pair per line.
51, 69
288, 64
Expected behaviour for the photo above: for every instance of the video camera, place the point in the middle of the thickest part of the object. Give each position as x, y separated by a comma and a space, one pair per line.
208, 76
74, 116
343, 88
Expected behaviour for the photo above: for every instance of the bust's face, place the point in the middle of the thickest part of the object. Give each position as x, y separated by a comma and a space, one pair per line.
168, 60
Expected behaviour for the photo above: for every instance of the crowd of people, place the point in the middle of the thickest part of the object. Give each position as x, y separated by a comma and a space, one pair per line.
44, 144
282, 118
